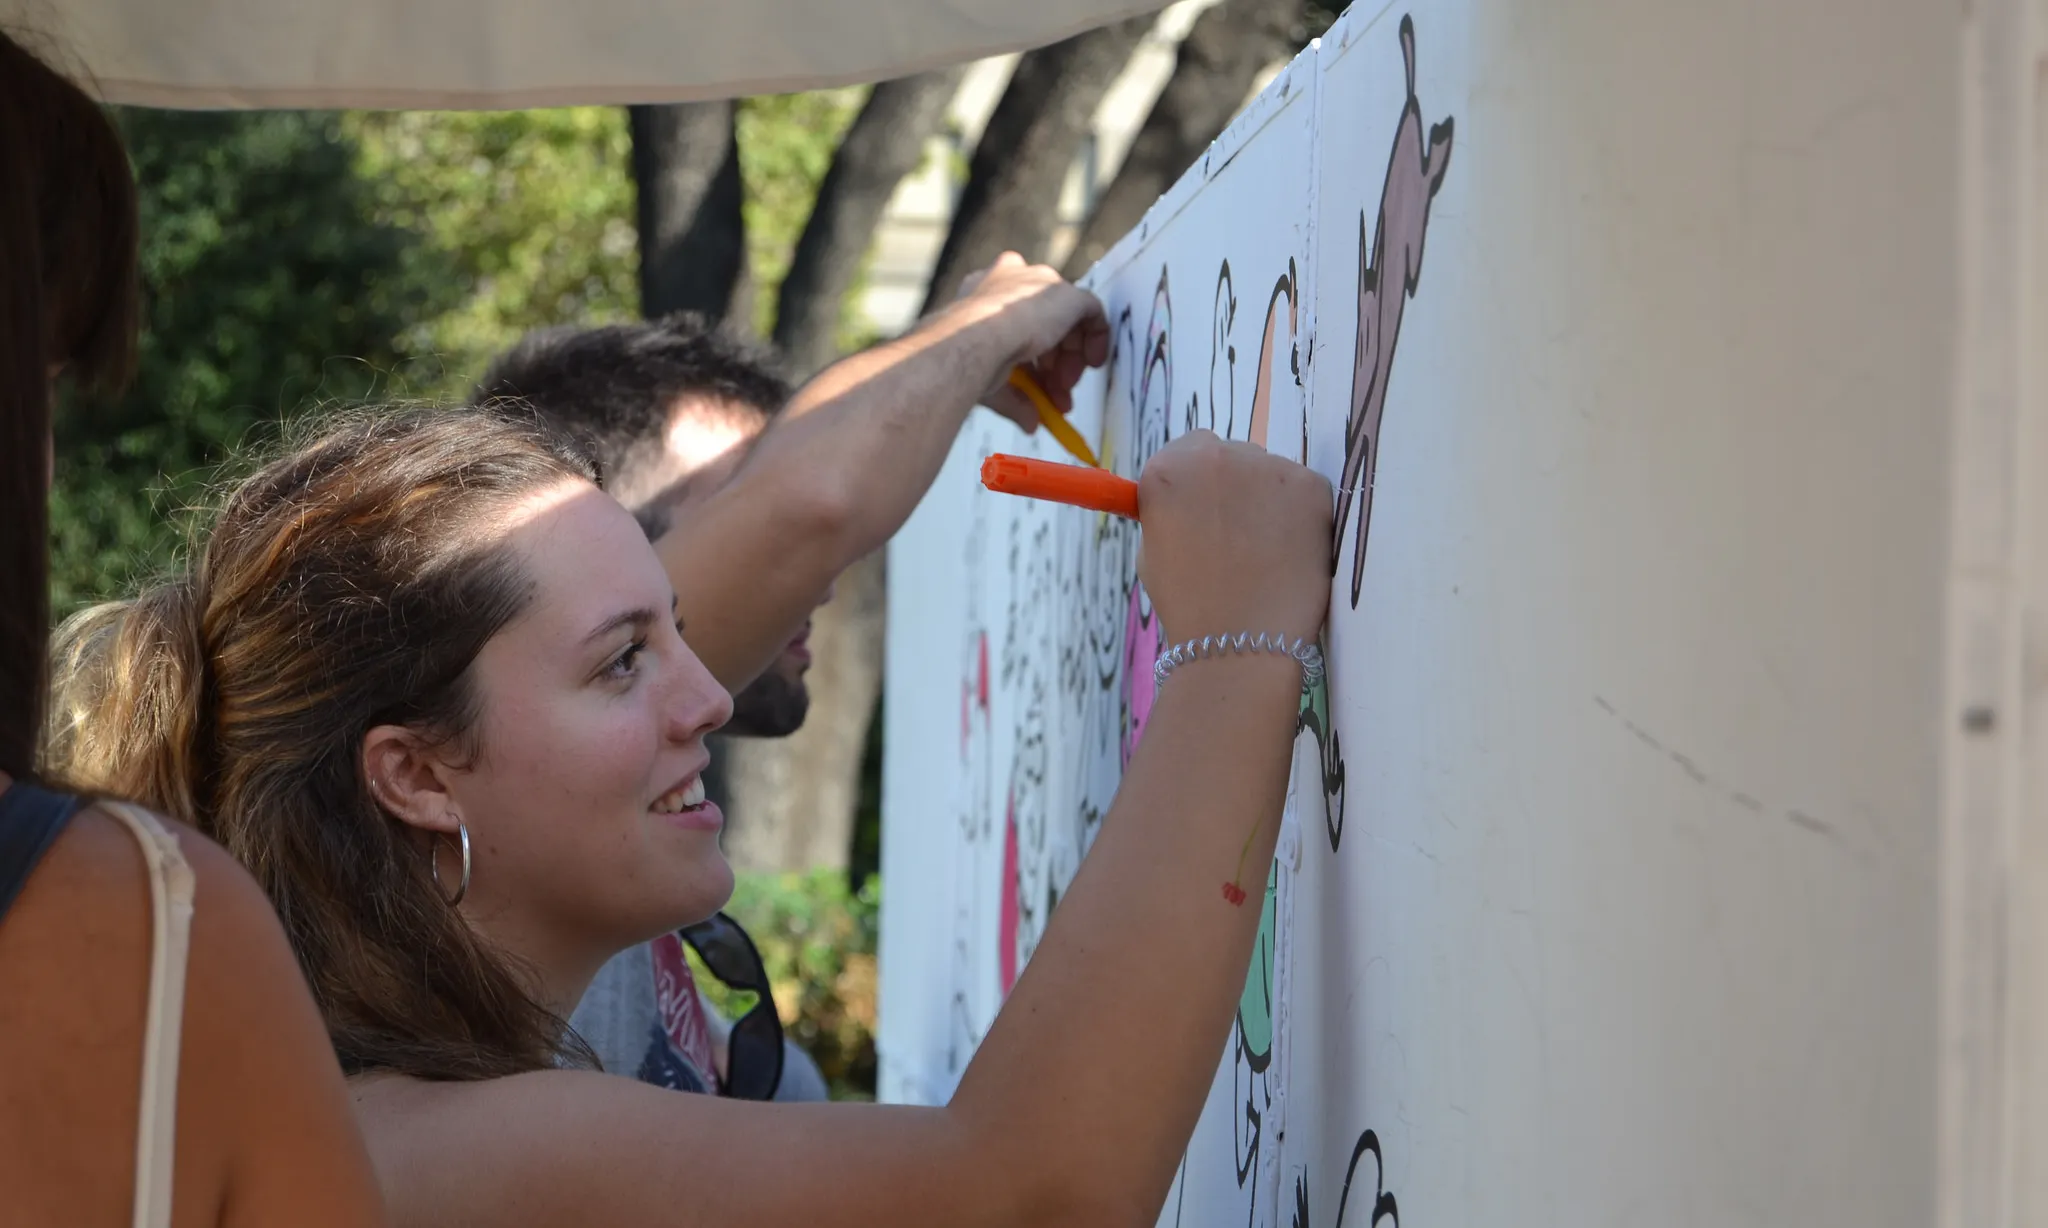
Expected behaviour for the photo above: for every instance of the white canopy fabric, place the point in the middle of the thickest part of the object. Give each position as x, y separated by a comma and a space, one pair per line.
488, 54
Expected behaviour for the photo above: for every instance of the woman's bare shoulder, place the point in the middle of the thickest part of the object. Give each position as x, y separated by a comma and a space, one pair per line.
93, 889
74, 961
98, 855
75, 954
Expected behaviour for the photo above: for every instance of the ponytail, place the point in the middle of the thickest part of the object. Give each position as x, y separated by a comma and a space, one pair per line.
347, 584
128, 703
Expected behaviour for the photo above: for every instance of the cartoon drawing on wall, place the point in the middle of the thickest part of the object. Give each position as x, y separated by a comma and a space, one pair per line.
1092, 658
1221, 416
1249, 1058
1053, 672
1315, 720
1252, 1052
1089, 664
1286, 286
1387, 276
1153, 401
1033, 874
971, 806
1077, 655
1384, 1208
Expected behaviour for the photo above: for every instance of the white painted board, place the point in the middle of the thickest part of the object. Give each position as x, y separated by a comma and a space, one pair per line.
1608, 891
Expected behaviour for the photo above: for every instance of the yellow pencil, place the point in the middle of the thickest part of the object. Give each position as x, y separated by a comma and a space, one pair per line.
1054, 420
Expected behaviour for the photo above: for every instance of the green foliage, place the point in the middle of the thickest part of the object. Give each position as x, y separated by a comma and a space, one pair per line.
529, 212
268, 286
817, 938
295, 259
786, 146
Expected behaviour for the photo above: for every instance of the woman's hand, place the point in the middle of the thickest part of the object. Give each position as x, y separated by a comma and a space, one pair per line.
1236, 539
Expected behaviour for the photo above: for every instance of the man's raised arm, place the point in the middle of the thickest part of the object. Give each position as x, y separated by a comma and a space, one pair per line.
840, 469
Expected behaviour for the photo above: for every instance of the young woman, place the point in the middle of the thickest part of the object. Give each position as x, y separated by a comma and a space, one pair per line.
424, 681
164, 1061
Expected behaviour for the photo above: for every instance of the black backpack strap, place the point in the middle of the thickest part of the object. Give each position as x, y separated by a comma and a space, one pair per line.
30, 820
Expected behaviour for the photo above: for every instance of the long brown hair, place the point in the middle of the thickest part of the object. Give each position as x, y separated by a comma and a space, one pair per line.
347, 585
67, 297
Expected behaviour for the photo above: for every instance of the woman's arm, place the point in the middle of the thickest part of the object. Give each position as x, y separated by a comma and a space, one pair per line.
840, 468
1074, 1111
1078, 1103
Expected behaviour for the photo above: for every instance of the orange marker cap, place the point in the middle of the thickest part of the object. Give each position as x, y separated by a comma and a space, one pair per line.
1097, 489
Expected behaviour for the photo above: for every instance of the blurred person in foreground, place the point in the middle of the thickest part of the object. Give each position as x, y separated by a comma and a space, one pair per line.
166, 1065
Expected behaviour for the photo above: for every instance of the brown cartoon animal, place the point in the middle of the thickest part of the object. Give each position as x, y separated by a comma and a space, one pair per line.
1415, 171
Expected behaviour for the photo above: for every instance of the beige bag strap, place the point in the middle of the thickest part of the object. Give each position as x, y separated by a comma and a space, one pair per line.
170, 893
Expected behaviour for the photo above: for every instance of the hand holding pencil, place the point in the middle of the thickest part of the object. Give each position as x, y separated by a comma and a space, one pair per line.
1054, 330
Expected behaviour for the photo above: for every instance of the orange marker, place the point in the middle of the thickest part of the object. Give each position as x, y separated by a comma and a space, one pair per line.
1096, 489
1051, 417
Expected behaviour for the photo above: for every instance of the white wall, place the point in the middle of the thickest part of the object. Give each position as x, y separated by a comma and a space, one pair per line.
1631, 916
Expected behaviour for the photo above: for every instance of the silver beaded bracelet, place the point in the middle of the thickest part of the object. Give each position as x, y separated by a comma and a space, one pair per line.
1307, 652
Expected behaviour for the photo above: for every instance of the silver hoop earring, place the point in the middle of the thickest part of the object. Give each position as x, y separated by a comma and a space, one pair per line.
434, 867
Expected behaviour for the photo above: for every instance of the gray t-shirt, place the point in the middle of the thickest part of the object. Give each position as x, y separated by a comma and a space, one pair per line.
644, 1018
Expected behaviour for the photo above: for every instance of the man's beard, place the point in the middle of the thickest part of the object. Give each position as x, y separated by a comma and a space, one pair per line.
771, 706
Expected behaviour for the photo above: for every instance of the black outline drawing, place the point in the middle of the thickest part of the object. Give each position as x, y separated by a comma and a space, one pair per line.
1287, 286
1075, 601
1415, 172
1035, 870
1223, 320
1317, 720
1251, 1084
1384, 1208
1151, 426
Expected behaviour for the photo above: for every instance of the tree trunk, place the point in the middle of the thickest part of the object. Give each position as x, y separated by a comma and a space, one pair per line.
885, 143
795, 797
1020, 164
693, 236
791, 802
1213, 71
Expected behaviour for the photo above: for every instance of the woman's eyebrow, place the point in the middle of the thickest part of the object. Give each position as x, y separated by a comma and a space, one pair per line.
640, 618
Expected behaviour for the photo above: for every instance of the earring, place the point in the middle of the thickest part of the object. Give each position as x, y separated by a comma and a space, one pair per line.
434, 866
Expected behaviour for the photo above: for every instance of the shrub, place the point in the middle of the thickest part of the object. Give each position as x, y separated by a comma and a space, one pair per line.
817, 939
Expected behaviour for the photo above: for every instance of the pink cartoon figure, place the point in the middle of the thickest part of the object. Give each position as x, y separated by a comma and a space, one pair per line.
1386, 280
1141, 649
1141, 628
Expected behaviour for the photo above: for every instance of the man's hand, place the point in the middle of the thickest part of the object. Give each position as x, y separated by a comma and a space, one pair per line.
1060, 331
842, 466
